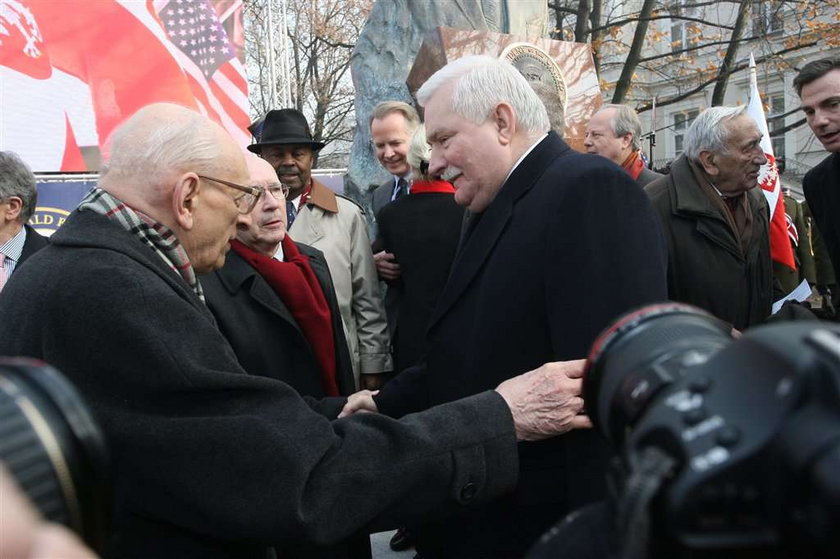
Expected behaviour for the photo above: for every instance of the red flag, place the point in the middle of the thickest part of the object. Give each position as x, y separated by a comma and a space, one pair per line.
768, 180
129, 54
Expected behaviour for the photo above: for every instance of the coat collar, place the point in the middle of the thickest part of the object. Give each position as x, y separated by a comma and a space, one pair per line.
493, 221
323, 197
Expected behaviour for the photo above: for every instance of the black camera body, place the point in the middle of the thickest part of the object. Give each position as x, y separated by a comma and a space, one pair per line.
726, 447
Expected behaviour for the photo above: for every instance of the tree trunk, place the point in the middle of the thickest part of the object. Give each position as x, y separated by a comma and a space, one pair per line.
624, 81
581, 27
731, 54
596, 33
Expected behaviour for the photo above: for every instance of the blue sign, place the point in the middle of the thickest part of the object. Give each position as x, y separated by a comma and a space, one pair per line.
56, 199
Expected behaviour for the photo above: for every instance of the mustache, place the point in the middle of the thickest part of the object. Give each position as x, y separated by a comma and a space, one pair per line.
287, 171
450, 173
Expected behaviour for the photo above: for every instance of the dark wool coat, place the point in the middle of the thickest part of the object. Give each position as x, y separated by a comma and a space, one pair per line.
706, 266
208, 460
822, 192
264, 335
422, 231
569, 243
33, 243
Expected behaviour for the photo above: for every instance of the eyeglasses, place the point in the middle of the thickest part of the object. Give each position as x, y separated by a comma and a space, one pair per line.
246, 201
277, 189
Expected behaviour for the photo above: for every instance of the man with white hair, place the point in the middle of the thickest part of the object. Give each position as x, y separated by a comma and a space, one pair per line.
716, 220
558, 245
208, 460
615, 132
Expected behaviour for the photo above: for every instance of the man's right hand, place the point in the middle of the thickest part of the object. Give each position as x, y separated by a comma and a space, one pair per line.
546, 402
386, 265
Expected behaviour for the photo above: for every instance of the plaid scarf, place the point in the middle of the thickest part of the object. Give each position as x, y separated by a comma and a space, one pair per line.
156, 236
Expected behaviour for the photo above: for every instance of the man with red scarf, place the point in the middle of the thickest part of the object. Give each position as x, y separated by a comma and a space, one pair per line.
275, 303
614, 132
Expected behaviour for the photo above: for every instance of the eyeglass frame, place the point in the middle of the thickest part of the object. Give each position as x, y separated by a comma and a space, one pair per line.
254, 191
284, 188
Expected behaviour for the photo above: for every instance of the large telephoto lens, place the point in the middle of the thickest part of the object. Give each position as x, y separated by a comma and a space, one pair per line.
641, 353
52, 447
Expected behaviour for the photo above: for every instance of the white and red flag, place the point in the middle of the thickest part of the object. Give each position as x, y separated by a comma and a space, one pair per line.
70, 72
768, 180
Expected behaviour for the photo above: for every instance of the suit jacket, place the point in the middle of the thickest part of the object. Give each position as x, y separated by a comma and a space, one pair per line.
33, 243
382, 195
822, 192
264, 335
569, 243
336, 226
707, 266
208, 460
422, 231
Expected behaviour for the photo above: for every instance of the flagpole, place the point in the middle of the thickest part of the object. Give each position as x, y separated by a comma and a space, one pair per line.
652, 136
272, 70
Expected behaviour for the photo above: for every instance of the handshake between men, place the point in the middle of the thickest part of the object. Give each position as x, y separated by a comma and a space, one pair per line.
544, 402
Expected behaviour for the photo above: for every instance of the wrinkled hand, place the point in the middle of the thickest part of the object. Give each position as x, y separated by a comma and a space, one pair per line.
546, 402
360, 402
386, 266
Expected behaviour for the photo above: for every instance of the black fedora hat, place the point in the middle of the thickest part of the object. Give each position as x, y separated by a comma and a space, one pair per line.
283, 127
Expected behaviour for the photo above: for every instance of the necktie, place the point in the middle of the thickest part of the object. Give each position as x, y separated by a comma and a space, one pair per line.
402, 188
291, 213
3, 274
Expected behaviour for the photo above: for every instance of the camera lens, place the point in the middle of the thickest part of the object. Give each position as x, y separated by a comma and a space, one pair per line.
641, 353
52, 447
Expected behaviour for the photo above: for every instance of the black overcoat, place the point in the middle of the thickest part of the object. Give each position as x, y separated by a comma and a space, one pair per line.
569, 243
822, 192
209, 461
264, 335
422, 231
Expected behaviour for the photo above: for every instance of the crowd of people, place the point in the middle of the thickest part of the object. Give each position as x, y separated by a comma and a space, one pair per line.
261, 395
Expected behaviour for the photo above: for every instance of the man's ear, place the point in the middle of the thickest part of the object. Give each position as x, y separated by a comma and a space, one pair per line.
505, 121
708, 162
627, 140
13, 208
185, 199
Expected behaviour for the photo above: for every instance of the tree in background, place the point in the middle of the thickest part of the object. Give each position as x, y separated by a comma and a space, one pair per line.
320, 37
691, 44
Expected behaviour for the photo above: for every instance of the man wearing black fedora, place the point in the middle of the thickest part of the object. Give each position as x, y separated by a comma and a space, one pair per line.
336, 226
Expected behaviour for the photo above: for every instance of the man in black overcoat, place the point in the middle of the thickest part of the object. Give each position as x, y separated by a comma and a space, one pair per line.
559, 244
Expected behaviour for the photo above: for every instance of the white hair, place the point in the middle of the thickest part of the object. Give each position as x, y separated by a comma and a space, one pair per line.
709, 132
481, 83
625, 121
160, 139
419, 153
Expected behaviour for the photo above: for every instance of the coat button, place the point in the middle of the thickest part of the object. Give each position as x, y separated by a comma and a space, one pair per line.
468, 491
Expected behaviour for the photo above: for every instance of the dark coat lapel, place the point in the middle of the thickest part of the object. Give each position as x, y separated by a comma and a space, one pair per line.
494, 220
237, 273
34, 242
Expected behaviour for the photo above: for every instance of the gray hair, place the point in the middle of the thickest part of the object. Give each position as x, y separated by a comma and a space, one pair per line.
385, 108
625, 121
418, 153
709, 132
481, 83
160, 139
16, 179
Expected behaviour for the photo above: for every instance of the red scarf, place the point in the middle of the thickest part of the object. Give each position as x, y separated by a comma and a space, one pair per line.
296, 285
634, 165
431, 186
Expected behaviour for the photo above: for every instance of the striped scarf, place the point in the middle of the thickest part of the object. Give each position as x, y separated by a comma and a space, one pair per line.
156, 236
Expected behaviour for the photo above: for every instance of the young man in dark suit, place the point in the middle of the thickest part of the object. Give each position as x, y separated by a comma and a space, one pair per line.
18, 198
559, 244
818, 85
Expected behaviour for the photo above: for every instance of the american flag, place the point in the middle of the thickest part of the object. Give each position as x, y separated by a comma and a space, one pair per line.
200, 44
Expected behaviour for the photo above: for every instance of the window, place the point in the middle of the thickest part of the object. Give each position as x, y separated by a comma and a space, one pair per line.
768, 18
682, 121
776, 106
680, 29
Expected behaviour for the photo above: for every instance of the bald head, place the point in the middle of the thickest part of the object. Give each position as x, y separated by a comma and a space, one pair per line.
157, 160
260, 171
159, 142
